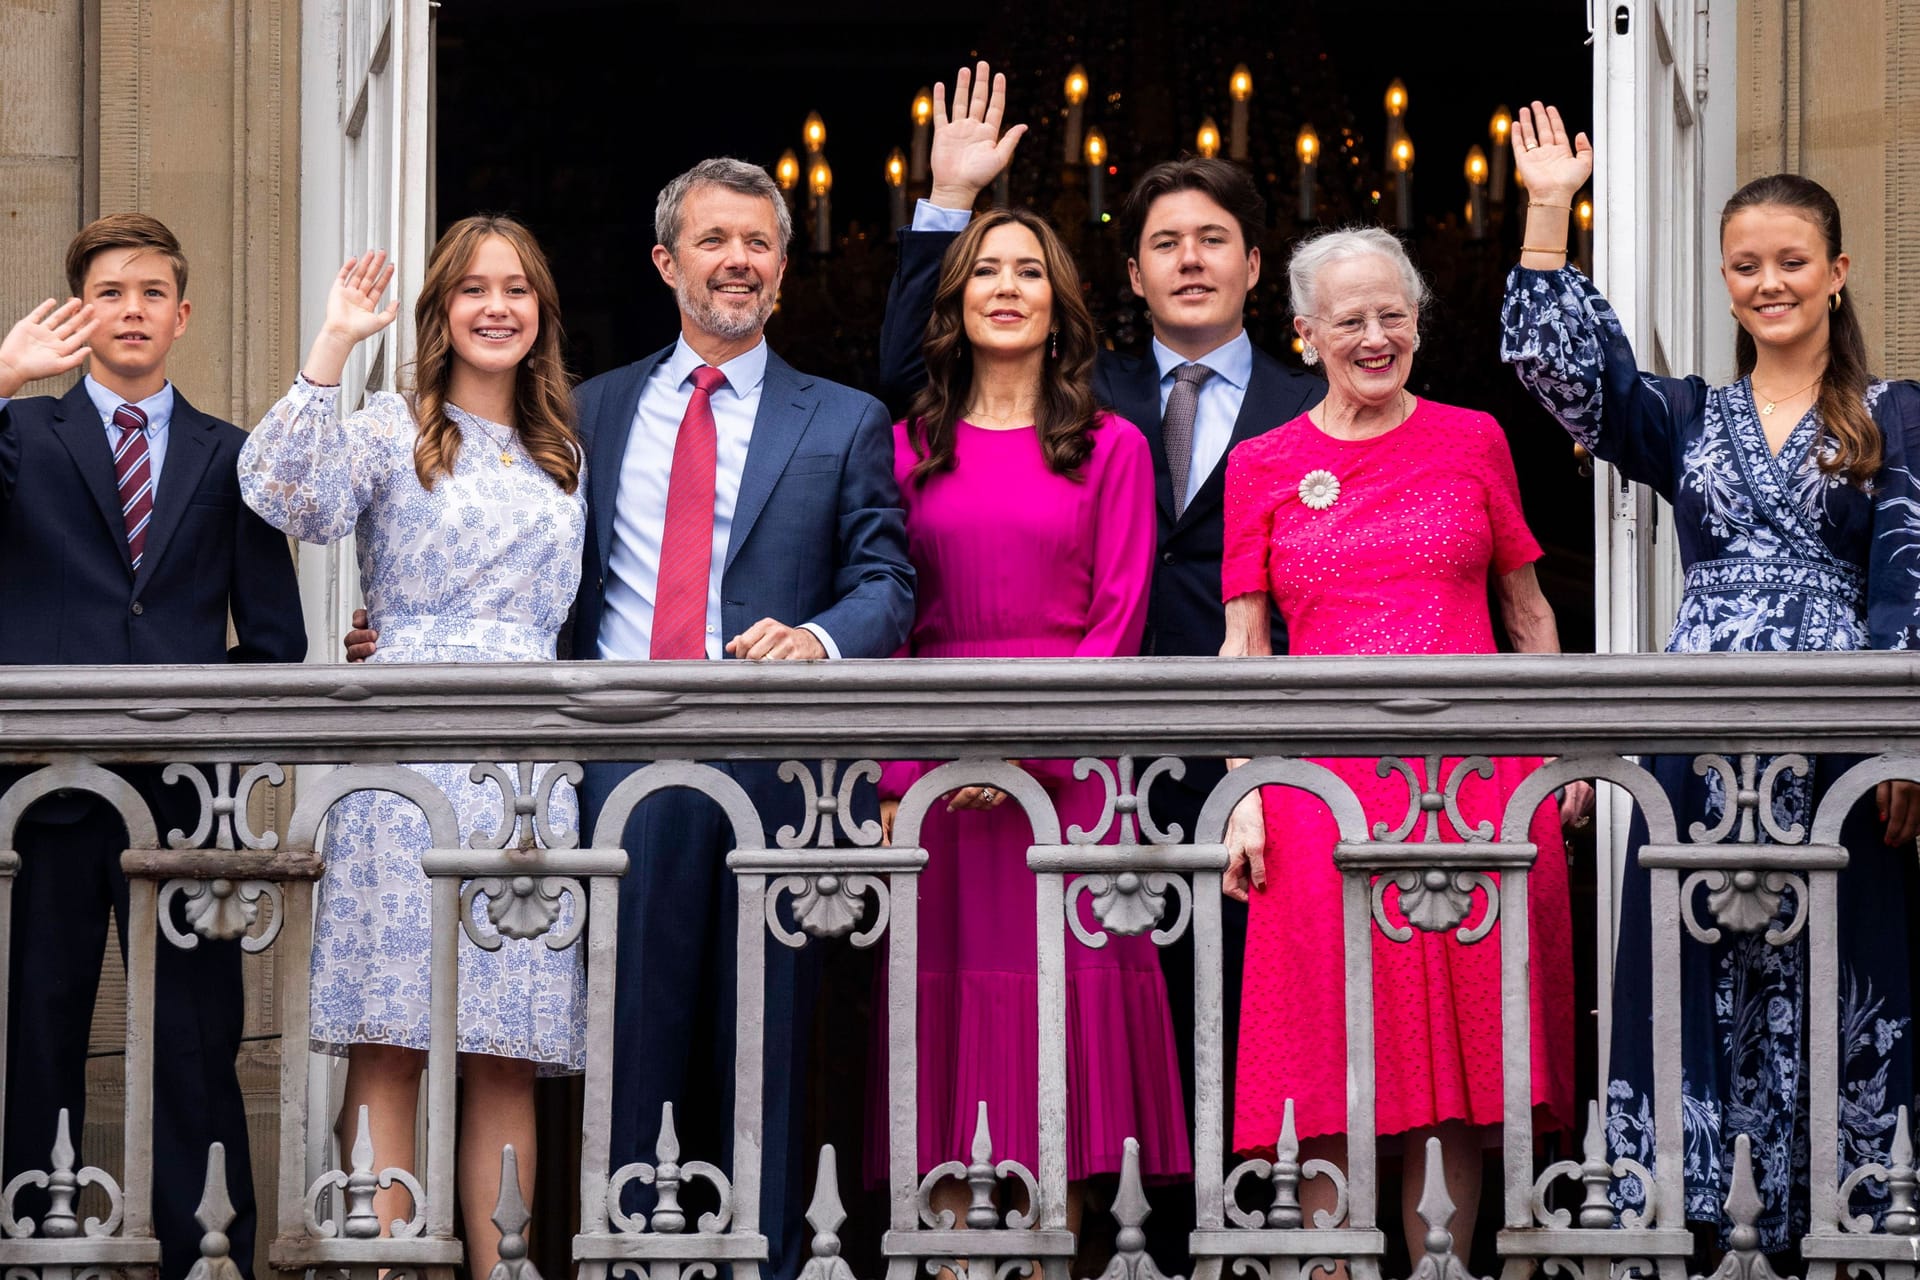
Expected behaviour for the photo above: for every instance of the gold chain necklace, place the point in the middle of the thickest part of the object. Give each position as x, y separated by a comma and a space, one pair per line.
506, 451
1772, 401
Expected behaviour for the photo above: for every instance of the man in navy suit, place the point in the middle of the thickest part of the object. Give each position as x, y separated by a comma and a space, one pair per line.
1192, 228
123, 540
797, 551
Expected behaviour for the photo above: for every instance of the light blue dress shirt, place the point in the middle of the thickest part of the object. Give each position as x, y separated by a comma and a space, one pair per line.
159, 410
640, 509
1219, 405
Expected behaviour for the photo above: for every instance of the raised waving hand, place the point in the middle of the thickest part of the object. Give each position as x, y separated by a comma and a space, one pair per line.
354, 314
969, 150
1553, 166
49, 340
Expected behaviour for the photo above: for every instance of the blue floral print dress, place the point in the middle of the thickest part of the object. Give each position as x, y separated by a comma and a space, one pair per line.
480, 568
1779, 556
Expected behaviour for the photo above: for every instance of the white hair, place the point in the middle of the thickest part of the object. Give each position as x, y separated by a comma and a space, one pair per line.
1319, 251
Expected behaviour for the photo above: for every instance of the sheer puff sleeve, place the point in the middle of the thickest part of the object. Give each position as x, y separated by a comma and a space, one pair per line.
1893, 563
309, 473
1567, 345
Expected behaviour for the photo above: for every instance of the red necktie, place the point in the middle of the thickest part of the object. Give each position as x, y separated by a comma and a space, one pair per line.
686, 542
133, 474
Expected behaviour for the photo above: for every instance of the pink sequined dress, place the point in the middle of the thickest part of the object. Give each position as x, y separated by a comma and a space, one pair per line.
1398, 563
1015, 561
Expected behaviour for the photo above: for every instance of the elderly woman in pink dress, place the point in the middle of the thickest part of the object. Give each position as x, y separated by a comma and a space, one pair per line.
1030, 525
1374, 520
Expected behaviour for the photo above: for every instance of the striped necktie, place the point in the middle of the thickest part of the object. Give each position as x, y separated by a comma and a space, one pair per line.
133, 475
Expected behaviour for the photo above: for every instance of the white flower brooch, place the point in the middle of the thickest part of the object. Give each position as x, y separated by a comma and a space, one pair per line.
1319, 489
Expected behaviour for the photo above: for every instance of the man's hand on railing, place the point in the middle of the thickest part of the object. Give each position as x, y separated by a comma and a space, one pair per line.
1246, 848
889, 810
362, 640
1900, 810
1576, 805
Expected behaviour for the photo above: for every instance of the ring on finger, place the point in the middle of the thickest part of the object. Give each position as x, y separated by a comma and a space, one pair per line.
988, 794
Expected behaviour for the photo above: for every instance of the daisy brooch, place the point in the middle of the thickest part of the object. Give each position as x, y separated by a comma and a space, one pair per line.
1319, 489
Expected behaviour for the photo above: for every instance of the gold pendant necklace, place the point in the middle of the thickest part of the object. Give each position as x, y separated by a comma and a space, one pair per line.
506, 454
1772, 401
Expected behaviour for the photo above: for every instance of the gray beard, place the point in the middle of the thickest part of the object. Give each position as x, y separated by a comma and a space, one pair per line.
721, 322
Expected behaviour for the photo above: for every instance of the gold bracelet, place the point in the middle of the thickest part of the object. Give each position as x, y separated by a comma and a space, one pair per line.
1534, 248
1534, 204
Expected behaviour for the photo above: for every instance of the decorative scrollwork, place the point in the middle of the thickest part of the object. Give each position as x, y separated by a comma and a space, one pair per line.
526, 806
1434, 901
1593, 1171
1126, 801
1286, 1173
1745, 902
223, 815
828, 904
522, 907
828, 808
1431, 803
225, 908
1130, 903
981, 1176
1899, 1175
1748, 798
222, 910
667, 1176
359, 1221
63, 1184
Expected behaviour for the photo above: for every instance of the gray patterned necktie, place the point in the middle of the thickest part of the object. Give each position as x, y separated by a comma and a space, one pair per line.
1176, 427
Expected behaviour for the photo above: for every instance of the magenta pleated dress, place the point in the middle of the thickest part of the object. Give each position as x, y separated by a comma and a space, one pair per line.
1399, 562
1014, 561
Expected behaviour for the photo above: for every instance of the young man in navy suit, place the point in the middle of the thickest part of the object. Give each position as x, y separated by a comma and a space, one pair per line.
1192, 228
737, 509
123, 540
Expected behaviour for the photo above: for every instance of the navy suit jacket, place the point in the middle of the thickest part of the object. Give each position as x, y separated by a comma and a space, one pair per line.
68, 592
1185, 615
818, 532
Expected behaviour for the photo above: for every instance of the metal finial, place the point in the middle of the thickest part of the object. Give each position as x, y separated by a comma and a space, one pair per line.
361, 1222
668, 1217
1436, 1207
1285, 1214
980, 1176
1596, 1211
1902, 1219
215, 1215
510, 1215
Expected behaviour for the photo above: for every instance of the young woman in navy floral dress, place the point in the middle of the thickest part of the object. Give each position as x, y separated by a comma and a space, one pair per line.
1798, 516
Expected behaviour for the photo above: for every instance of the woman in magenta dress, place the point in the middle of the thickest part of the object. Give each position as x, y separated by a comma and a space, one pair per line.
1374, 521
1031, 528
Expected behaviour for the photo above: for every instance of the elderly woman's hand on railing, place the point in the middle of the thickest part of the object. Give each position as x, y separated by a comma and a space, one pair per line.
1246, 847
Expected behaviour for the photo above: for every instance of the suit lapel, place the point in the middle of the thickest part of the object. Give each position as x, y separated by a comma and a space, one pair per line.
78, 428
1136, 397
611, 430
786, 407
189, 450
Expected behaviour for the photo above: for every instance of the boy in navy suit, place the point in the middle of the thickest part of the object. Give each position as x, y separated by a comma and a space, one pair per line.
123, 540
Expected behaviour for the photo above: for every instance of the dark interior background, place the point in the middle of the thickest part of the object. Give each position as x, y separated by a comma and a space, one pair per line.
573, 113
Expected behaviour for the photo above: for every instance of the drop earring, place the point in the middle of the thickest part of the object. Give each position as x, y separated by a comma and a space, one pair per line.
1053, 345
1833, 301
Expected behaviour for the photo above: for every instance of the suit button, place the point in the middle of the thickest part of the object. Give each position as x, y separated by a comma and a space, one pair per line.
138, 609
1166, 557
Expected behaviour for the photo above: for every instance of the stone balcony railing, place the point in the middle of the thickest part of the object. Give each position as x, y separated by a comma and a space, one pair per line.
1596, 716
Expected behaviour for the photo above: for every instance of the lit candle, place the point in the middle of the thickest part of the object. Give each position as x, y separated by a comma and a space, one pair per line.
1476, 193
787, 175
814, 132
1207, 140
897, 189
1396, 119
1500, 131
1239, 88
1403, 182
1307, 146
820, 182
1096, 173
1583, 228
1076, 98
922, 135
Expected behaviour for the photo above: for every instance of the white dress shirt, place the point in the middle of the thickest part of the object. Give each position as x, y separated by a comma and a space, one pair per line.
1218, 407
640, 509
159, 410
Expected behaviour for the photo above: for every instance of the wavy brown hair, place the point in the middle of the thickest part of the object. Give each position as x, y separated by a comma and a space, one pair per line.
542, 392
1067, 406
1842, 404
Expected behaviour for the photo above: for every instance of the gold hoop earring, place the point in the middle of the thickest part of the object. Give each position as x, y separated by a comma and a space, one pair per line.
1833, 301
1733, 311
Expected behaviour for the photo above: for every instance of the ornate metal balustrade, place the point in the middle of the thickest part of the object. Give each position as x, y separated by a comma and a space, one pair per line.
224, 732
